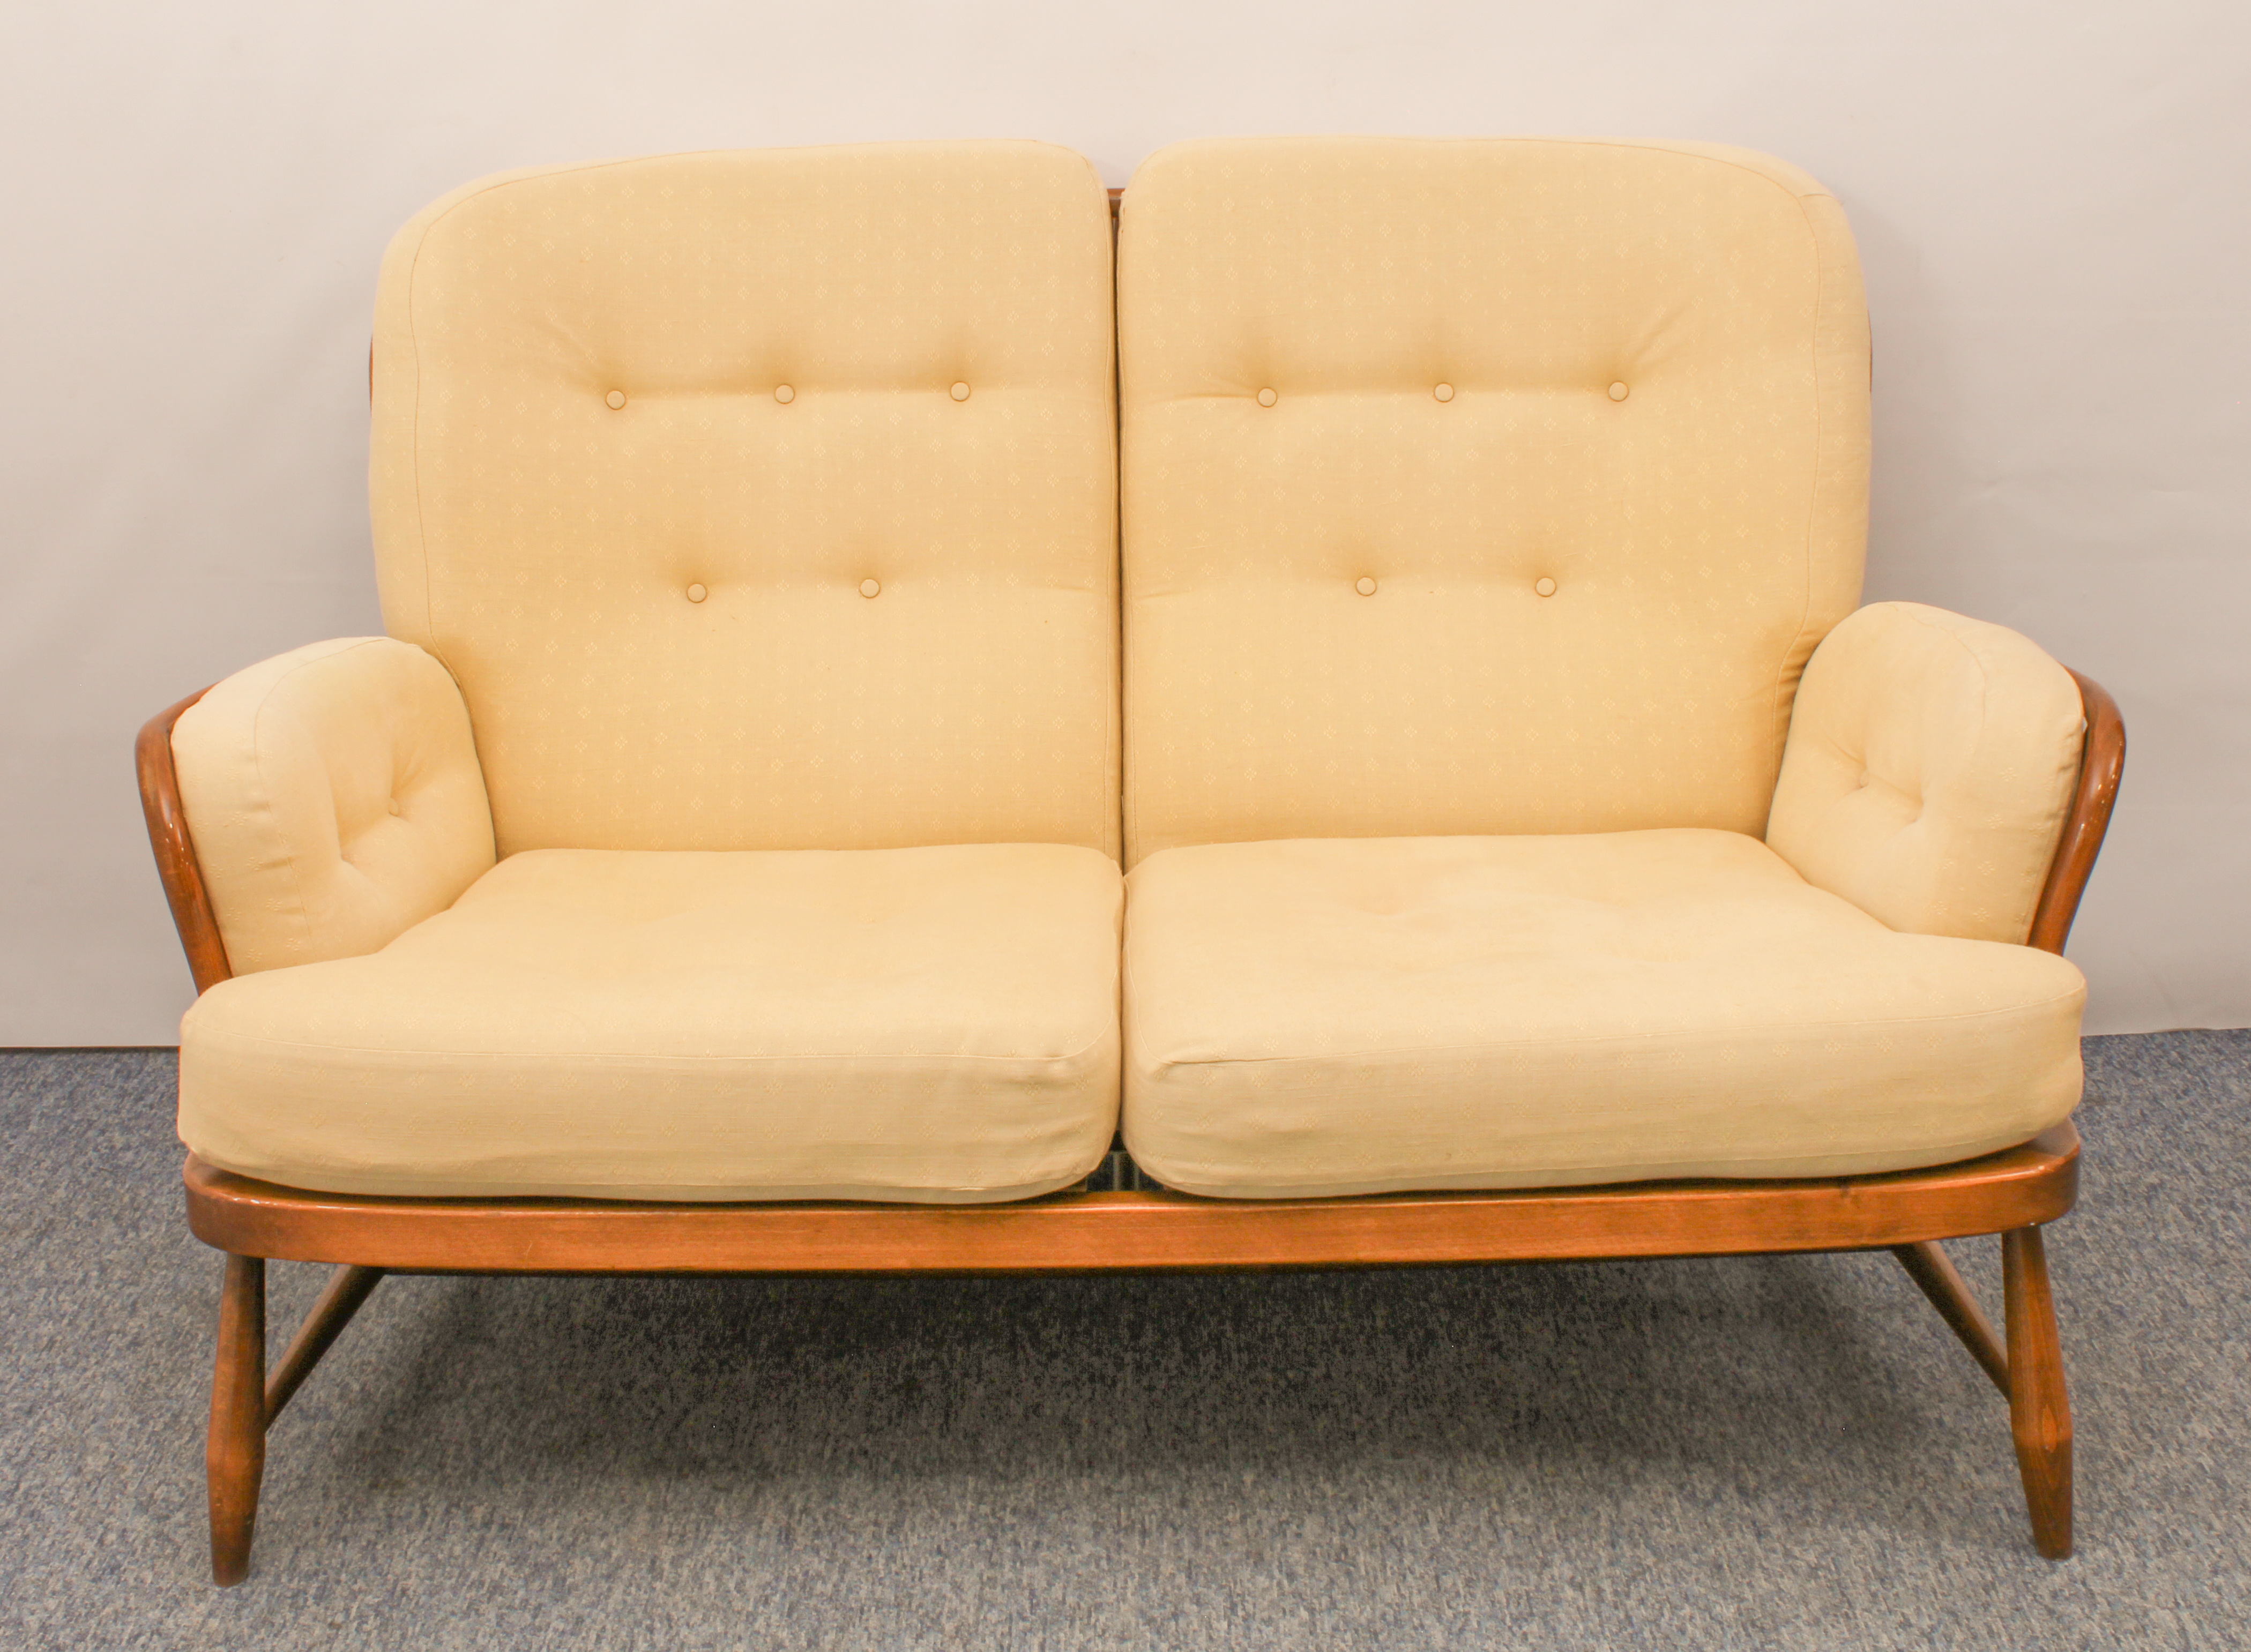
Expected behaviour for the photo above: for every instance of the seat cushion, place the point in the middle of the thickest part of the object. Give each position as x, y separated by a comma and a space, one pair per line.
931, 1024
1334, 1017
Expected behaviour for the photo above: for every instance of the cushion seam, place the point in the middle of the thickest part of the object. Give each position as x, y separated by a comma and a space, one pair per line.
262, 1041
1948, 1146
1802, 1027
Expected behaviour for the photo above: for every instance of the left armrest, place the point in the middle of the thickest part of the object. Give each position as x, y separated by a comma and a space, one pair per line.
315, 805
1930, 766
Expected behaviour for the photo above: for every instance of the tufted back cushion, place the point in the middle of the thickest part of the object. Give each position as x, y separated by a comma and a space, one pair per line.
1479, 487
764, 499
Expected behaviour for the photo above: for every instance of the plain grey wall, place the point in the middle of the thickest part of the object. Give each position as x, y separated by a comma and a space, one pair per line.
2051, 201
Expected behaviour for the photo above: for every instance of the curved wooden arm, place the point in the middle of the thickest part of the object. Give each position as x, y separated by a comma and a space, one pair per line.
175, 851
2101, 761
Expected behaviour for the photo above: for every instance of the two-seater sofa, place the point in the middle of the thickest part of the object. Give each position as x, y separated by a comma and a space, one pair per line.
1345, 735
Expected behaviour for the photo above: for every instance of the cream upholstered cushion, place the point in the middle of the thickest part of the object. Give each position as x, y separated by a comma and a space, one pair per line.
764, 499
1489, 485
1931, 763
334, 798
1357, 1016
927, 1024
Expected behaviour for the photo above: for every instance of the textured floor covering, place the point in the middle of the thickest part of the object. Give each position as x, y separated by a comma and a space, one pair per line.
1768, 1453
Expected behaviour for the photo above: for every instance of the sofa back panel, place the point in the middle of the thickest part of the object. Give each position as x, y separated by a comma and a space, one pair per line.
1477, 486
765, 499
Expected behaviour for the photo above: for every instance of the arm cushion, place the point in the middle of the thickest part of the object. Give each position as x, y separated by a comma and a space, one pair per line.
334, 798
1931, 763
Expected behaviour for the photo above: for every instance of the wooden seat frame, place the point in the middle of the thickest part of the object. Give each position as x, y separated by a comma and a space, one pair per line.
2011, 1193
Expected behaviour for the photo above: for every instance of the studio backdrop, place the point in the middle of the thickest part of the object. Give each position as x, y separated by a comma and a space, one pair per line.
2051, 202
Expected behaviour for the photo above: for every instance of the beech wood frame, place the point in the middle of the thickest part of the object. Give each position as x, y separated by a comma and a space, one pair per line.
2013, 1193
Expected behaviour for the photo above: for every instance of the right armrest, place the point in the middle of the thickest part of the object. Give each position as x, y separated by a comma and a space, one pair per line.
333, 799
1930, 771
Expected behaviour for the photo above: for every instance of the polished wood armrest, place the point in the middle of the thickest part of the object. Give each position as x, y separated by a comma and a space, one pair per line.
2101, 761
175, 850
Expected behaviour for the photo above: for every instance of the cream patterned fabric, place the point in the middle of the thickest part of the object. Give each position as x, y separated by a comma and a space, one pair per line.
1358, 1016
334, 799
934, 1025
1930, 766
765, 499
1490, 486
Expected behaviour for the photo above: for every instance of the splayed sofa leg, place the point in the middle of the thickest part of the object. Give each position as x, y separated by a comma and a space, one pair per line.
2040, 1410
235, 1458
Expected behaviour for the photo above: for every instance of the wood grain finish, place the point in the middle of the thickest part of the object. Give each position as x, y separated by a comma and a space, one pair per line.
2040, 1408
346, 1290
2102, 764
1933, 1269
234, 1459
175, 851
1080, 1233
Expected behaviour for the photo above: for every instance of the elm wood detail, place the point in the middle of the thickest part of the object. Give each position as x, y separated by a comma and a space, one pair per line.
2102, 764
234, 1459
1077, 1232
175, 850
1930, 1268
351, 1286
2039, 1409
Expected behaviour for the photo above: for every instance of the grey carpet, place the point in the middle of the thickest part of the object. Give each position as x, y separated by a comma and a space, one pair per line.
1769, 1453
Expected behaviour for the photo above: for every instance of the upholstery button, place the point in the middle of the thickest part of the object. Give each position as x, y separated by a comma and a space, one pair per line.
960, 393
1545, 586
697, 593
1618, 392
394, 806
1265, 398
615, 398
1365, 587
1444, 392
784, 394
869, 587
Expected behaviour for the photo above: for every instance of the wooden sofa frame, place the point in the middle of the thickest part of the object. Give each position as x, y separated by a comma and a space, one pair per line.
1136, 1226
2011, 1193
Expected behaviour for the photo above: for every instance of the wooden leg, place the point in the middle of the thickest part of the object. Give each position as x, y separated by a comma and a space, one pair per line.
2039, 1411
348, 1287
1930, 1268
235, 1459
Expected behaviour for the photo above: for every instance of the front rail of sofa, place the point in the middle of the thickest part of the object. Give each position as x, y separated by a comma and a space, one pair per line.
1143, 1230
